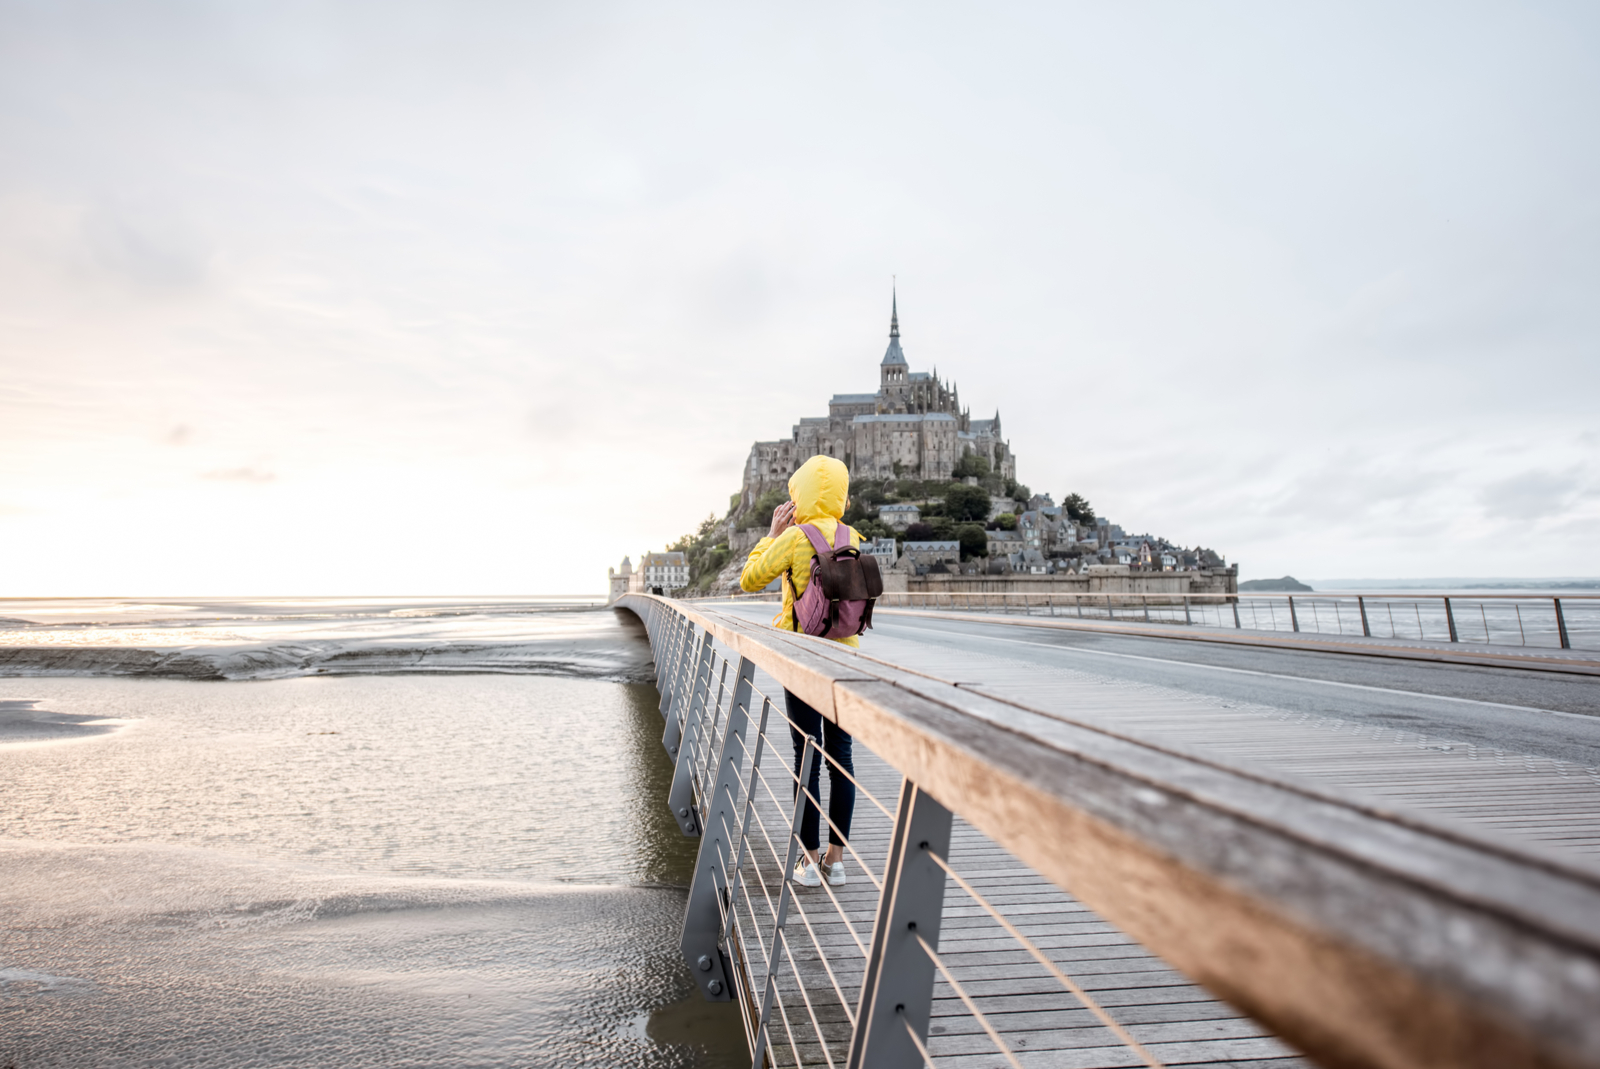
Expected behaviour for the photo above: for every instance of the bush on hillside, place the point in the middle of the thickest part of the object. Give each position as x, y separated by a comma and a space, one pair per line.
974, 540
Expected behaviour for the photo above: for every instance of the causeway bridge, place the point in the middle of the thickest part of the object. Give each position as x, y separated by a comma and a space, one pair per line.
1162, 834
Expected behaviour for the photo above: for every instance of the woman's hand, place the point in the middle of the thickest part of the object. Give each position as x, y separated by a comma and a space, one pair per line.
782, 519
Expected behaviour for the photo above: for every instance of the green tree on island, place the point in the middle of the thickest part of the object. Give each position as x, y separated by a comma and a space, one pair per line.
970, 503
1078, 509
974, 540
970, 465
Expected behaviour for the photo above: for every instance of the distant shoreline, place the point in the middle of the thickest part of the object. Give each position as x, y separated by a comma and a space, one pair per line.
1544, 586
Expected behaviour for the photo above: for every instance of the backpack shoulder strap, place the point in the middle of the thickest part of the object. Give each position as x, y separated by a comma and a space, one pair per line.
819, 545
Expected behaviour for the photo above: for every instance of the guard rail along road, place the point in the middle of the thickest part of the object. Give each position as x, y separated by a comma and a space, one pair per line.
1564, 621
1360, 936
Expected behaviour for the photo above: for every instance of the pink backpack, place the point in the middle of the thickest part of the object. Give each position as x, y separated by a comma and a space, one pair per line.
837, 602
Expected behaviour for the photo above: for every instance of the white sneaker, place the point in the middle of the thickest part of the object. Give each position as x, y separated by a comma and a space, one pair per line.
806, 875
835, 873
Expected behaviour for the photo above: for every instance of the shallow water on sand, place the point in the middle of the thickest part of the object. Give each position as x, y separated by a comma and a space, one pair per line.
232, 638
394, 870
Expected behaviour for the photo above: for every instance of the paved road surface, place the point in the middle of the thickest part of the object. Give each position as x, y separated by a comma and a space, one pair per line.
1541, 713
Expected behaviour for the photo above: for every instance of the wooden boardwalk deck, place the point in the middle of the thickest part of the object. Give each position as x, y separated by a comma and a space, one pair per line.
1045, 1025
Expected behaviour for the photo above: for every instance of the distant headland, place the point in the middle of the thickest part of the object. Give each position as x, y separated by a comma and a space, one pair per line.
1286, 585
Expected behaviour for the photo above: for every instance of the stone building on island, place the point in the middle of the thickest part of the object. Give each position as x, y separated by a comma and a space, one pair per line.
913, 426
658, 573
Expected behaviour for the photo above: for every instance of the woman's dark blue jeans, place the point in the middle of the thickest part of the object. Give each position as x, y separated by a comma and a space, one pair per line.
836, 743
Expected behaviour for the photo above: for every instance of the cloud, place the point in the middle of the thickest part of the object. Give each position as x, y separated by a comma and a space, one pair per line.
241, 475
181, 434
1531, 495
151, 248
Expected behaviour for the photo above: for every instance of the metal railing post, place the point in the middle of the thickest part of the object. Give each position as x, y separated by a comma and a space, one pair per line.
1294, 621
686, 661
672, 658
1361, 603
679, 643
770, 985
681, 798
1234, 601
1450, 619
703, 928
1561, 625
1186, 618
897, 990
689, 667
709, 721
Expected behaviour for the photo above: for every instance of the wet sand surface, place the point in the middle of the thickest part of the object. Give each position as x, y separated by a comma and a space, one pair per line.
215, 639
422, 869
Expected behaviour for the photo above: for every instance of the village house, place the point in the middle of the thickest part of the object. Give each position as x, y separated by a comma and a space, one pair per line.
922, 555
664, 572
1029, 562
899, 517
1003, 543
880, 549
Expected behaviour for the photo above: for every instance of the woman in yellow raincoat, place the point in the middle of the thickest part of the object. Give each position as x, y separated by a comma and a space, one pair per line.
818, 492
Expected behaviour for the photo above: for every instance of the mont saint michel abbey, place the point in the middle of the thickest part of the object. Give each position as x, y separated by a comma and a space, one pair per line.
913, 426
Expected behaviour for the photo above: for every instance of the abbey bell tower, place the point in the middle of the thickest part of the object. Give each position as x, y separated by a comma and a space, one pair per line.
893, 372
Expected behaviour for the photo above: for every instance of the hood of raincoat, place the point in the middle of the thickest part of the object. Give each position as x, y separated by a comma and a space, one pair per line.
819, 489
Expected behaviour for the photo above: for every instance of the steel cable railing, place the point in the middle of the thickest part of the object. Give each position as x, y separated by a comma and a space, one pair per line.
1050, 966
1532, 621
810, 752
972, 1007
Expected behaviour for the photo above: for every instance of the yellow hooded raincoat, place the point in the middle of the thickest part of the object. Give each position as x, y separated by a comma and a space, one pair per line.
819, 491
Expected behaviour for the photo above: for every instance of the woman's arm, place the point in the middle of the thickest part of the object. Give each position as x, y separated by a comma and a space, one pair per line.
770, 557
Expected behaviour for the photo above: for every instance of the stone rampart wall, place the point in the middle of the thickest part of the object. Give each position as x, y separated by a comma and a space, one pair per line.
1206, 581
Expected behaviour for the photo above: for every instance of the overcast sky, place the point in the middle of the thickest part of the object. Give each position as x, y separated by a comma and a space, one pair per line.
478, 298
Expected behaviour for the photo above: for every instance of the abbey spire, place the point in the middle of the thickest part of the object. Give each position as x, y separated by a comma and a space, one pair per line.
893, 355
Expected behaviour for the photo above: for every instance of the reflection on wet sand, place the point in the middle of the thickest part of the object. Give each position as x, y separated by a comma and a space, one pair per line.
23, 721
419, 870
